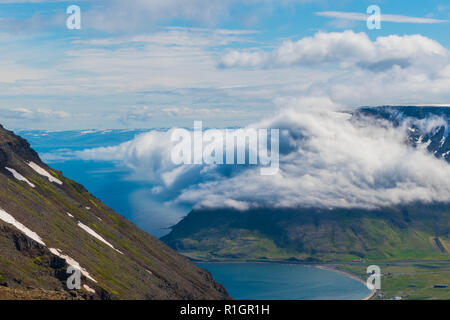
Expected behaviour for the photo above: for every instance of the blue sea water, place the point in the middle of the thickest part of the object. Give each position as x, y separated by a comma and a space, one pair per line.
108, 181
273, 281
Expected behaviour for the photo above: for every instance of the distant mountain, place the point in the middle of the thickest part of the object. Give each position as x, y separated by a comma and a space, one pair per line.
415, 231
434, 138
314, 235
48, 222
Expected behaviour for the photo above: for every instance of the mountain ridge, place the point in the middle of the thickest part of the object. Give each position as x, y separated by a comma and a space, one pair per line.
49, 221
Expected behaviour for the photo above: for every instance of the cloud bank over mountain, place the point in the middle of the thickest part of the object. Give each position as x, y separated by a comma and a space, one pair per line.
326, 160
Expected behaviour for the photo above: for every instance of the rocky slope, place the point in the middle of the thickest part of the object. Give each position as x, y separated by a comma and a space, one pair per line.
48, 222
434, 138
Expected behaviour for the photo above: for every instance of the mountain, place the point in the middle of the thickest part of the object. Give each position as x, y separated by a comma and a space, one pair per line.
434, 138
314, 235
414, 231
48, 222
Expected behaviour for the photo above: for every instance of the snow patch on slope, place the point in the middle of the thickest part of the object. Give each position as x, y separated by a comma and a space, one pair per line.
44, 173
88, 289
96, 235
6, 217
19, 177
72, 262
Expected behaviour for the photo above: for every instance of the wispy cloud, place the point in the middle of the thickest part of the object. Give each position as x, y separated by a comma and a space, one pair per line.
30, 114
147, 113
384, 17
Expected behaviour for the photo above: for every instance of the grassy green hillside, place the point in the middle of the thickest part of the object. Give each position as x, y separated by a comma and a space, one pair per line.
314, 235
407, 280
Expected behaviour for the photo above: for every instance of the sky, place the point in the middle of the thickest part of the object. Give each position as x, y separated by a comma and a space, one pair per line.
166, 63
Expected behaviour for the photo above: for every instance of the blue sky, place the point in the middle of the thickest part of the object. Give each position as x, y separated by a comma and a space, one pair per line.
146, 64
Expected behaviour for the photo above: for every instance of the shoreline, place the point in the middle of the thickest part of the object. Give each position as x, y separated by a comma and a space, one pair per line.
314, 265
350, 275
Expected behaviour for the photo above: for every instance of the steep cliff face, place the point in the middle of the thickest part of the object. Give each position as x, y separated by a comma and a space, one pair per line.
48, 222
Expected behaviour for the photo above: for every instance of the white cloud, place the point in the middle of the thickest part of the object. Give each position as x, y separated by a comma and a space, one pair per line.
384, 17
175, 69
325, 161
31, 114
345, 48
147, 113
125, 17
198, 112
13, 72
177, 36
175, 57
138, 113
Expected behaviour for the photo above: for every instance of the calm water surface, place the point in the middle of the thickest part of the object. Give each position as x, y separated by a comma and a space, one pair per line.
270, 281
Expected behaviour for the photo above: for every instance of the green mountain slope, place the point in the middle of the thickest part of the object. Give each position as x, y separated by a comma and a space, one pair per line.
47, 220
315, 235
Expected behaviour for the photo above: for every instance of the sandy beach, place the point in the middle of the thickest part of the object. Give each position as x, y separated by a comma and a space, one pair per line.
374, 291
